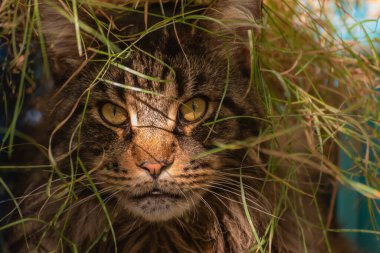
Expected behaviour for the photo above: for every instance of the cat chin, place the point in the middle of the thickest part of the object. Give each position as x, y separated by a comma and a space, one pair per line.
159, 209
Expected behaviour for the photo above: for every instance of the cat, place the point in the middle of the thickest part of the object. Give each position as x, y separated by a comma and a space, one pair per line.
136, 164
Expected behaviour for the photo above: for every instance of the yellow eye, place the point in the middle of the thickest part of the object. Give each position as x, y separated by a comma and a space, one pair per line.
193, 109
113, 114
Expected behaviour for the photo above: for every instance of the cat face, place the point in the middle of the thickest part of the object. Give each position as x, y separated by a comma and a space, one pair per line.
145, 140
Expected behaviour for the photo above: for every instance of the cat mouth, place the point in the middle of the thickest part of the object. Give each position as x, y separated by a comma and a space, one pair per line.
158, 205
156, 193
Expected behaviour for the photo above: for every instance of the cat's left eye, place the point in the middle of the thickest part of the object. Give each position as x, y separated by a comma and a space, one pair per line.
113, 114
193, 110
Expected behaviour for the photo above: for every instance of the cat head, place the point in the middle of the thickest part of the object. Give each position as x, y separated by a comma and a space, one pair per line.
148, 123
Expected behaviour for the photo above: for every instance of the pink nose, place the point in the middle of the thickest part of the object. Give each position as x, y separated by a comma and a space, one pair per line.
154, 169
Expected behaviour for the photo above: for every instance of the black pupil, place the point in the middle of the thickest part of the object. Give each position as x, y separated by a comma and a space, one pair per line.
194, 106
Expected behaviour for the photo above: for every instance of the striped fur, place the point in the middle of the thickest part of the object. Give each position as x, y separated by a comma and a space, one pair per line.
209, 215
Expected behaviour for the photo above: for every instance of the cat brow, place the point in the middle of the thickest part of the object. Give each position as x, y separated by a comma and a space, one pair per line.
114, 92
152, 108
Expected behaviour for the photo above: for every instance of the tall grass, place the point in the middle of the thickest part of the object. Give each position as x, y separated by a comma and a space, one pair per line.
318, 90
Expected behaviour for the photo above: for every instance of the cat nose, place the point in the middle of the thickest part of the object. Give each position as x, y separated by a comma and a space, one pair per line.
155, 168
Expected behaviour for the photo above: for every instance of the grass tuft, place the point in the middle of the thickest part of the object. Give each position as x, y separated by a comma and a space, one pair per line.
320, 93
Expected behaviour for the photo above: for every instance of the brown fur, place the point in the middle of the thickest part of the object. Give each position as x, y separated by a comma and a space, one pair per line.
209, 216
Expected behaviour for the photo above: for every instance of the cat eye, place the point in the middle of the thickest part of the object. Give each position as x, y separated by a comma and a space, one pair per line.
194, 109
113, 114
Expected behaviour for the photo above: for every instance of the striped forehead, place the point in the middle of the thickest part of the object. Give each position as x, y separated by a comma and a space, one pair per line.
155, 99
152, 111
151, 75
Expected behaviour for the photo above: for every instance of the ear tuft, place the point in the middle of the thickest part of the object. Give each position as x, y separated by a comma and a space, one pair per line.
236, 16
60, 38
234, 20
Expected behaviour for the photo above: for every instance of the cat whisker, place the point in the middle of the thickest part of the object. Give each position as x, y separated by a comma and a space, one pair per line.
232, 182
244, 176
107, 199
238, 193
89, 197
31, 195
66, 209
236, 201
216, 219
179, 188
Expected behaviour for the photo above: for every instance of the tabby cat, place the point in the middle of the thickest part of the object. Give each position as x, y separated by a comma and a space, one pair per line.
135, 141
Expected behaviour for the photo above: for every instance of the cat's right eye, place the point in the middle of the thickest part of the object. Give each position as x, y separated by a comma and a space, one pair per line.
193, 110
113, 114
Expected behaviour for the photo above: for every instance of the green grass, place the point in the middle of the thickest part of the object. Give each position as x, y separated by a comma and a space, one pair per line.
296, 64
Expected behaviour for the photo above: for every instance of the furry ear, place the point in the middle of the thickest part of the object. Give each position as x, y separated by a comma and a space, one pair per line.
233, 21
236, 15
60, 38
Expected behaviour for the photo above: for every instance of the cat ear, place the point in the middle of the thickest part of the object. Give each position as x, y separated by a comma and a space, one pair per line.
60, 38
233, 21
236, 16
